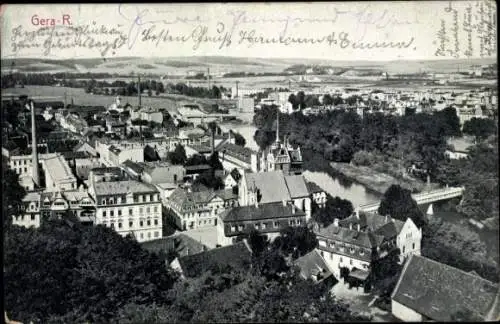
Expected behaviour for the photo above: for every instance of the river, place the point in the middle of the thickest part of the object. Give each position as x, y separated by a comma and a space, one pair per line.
334, 186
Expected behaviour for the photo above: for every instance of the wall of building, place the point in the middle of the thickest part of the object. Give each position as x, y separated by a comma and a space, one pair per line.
27, 220
305, 205
409, 240
336, 261
135, 213
404, 313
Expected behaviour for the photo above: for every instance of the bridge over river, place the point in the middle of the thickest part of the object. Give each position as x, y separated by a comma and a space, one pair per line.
427, 197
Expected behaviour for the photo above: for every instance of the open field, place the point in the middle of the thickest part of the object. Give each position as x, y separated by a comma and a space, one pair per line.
172, 65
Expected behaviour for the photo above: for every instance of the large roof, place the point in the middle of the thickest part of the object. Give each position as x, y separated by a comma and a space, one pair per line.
272, 186
312, 264
296, 186
385, 226
237, 256
122, 187
346, 235
59, 169
236, 151
263, 211
439, 291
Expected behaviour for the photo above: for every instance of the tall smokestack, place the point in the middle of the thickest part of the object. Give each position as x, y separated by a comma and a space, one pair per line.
237, 89
139, 89
34, 161
277, 126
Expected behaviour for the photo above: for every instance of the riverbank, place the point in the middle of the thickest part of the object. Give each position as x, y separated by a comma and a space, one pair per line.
378, 181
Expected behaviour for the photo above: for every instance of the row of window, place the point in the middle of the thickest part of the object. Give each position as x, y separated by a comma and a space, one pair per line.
341, 259
263, 226
156, 235
28, 217
343, 246
138, 198
131, 224
130, 211
20, 162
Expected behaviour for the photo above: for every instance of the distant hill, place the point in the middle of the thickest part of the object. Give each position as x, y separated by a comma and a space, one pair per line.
224, 64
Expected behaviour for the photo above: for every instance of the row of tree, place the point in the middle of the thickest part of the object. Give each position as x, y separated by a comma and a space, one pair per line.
339, 134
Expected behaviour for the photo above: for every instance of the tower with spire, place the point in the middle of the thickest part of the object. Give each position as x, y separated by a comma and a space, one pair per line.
282, 156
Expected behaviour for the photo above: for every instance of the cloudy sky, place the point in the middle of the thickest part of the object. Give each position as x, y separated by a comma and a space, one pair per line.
423, 26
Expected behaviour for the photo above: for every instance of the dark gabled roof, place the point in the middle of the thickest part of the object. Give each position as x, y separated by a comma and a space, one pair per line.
312, 264
134, 166
69, 155
313, 187
237, 256
263, 211
200, 167
439, 291
385, 226
236, 151
339, 234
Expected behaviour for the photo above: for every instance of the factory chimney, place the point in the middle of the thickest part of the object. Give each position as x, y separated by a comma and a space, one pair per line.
34, 161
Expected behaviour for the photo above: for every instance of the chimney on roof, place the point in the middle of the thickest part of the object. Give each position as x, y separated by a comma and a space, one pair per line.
335, 222
350, 226
358, 227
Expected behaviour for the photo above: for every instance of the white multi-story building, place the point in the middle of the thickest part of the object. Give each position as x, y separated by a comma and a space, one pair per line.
129, 207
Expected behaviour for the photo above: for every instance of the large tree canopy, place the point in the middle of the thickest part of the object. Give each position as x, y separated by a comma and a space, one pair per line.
334, 208
398, 203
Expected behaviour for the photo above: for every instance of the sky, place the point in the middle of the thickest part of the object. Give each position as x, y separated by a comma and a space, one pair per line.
426, 29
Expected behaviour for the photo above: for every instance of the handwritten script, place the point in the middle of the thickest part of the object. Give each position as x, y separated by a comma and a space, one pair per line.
136, 26
467, 33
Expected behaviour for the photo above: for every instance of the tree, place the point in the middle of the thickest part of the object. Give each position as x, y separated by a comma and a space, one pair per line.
450, 120
13, 194
178, 156
480, 128
239, 139
334, 208
399, 204
196, 159
79, 273
215, 162
295, 241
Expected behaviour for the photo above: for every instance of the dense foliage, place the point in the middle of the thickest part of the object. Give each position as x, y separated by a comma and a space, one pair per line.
12, 194
80, 272
339, 134
334, 208
480, 128
479, 175
178, 155
63, 273
398, 203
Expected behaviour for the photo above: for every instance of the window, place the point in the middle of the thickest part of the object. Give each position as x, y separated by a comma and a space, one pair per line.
141, 211
25, 169
130, 224
350, 261
241, 227
256, 226
130, 212
361, 252
292, 222
112, 225
332, 245
149, 234
111, 201
119, 212
112, 213
403, 249
413, 246
142, 235
103, 201
148, 210
103, 213
351, 250
156, 222
33, 218
157, 234
276, 224
233, 228
120, 225
263, 225
141, 223
341, 260
155, 209
148, 222
331, 256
